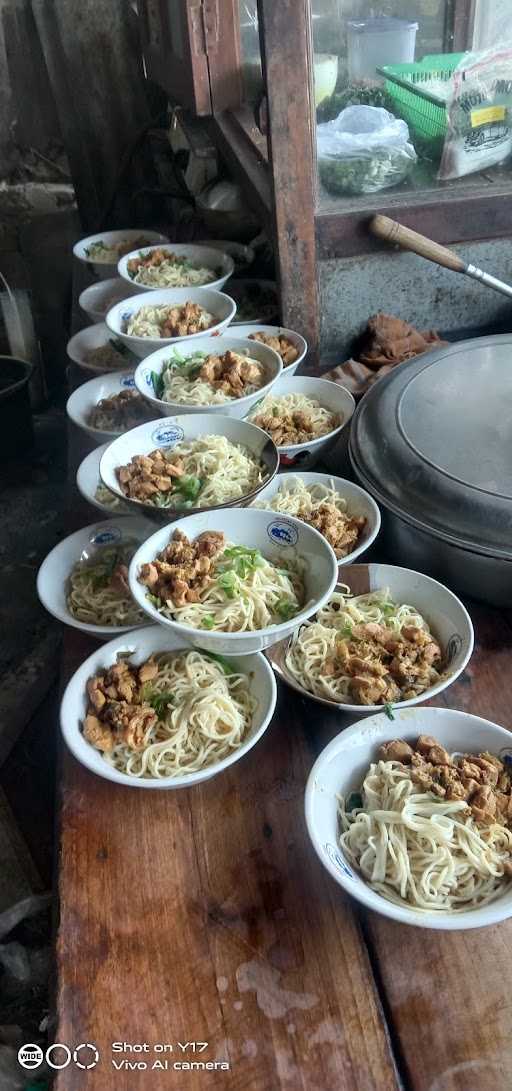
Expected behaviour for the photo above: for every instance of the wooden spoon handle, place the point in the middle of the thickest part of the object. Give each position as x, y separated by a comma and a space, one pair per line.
402, 236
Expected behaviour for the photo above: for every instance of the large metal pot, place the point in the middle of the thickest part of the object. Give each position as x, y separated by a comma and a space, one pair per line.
432, 442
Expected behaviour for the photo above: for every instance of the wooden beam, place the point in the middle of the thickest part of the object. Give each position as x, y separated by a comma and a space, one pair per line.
287, 61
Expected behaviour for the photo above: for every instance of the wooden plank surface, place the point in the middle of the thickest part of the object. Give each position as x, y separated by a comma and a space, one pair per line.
203, 915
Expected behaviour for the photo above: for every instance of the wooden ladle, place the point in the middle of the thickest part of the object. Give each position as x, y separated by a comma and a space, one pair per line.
394, 232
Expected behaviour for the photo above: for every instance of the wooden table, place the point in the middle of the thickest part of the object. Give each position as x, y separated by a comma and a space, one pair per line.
203, 916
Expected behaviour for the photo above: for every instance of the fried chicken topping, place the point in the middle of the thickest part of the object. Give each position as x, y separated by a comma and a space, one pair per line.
146, 477
156, 257
483, 781
117, 712
296, 426
286, 349
119, 412
232, 374
382, 666
182, 570
181, 321
341, 530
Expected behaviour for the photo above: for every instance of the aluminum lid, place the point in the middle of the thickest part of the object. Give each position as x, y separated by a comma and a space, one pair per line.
432, 441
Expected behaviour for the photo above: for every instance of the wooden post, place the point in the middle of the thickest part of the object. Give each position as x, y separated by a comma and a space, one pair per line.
287, 60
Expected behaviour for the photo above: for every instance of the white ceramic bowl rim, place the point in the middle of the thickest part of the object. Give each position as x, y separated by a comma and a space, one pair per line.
50, 589
237, 344
345, 396
139, 591
427, 694
155, 635
341, 871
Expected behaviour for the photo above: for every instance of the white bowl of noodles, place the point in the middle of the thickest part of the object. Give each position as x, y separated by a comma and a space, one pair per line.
171, 466
101, 252
82, 584
428, 832
139, 321
171, 379
291, 346
91, 487
214, 720
349, 514
388, 636
95, 350
313, 410
107, 406
266, 575
177, 265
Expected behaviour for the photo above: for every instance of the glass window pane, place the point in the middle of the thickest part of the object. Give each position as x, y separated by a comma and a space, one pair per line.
250, 51
420, 44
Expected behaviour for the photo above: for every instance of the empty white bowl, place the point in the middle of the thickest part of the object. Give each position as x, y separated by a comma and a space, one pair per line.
340, 769
143, 643
245, 330
444, 613
216, 303
359, 503
99, 298
167, 433
93, 337
277, 539
88, 479
84, 399
201, 257
108, 268
239, 407
53, 575
330, 396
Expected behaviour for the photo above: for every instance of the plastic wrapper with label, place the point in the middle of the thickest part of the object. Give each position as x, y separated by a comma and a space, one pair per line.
479, 114
363, 150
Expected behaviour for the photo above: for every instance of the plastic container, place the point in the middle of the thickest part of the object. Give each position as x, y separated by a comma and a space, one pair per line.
373, 42
16, 432
424, 111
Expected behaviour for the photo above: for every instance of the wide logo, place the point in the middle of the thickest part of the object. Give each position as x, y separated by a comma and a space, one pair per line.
167, 435
283, 533
128, 381
106, 536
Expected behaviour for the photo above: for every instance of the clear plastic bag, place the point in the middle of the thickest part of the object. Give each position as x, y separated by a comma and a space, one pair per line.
363, 150
479, 114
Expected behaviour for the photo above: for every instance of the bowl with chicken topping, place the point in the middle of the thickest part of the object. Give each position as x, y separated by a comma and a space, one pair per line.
173, 465
150, 320
233, 580
108, 406
412, 816
388, 637
343, 512
148, 711
83, 582
225, 377
176, 266
289, 345
304, 416
101, 252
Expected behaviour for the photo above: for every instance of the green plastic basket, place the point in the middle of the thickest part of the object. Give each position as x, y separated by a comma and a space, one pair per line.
424, 112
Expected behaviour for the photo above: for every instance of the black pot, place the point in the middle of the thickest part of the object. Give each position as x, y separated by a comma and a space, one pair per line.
16, 431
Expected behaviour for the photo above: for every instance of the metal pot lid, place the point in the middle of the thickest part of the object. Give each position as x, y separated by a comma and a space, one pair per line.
432, 440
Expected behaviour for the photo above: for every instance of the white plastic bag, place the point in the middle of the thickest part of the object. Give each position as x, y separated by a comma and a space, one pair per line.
363, 150
479, 113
